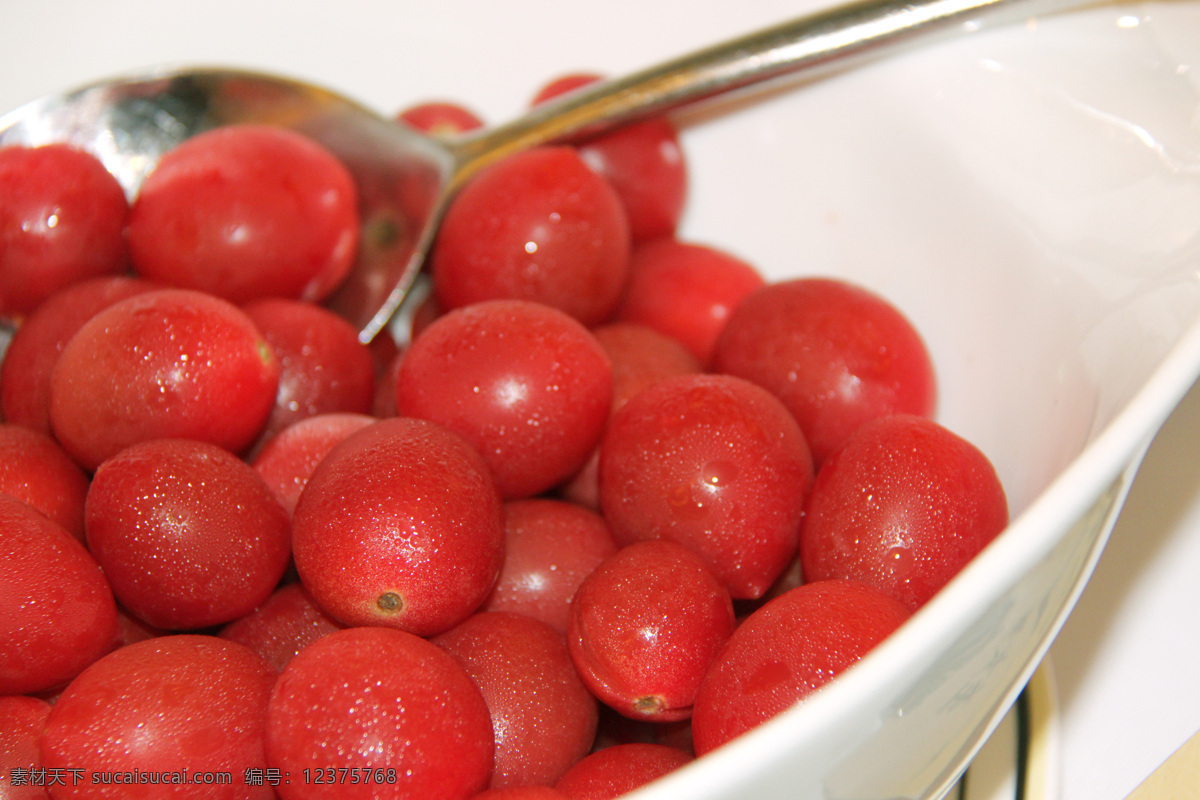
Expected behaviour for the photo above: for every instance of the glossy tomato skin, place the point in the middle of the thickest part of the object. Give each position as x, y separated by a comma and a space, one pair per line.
383, 701
324, 368
714, 463
59, 614
163, 705
836, 354
170, 363
439, 118
643, 161
246, 212
400, 526
543, 716
550, 547
903, 505
528, 386
31, 355
619, 769
22, 720
286, 623
644, 627
188, 534
787, 649
686, 291
62, 220
37, 471
640, 356
541, 226
286, 461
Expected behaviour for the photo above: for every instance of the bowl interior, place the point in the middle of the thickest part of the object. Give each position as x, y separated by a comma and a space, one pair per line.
1029, 197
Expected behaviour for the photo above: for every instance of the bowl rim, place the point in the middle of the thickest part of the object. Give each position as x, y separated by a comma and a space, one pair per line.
1113, 452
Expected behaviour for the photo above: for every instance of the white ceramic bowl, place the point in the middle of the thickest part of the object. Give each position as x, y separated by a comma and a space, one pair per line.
1029, 196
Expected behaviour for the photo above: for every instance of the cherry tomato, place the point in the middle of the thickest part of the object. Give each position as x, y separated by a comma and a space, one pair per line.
550, 547
439, 118
539, 225
377, 712
903, 505
786, 650
400, 525
286, 623
59, 615
184, 708
513, 659
171, 363
686, 291
528, 386
188, 534
644, 627
617, 770
62, 220
836, 354
714, 463
324, 368
246, 212
287, 460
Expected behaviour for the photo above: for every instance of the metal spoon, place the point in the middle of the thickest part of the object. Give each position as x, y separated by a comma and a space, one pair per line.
407, 179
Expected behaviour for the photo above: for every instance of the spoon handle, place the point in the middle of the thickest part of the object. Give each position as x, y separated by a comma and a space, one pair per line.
812, 44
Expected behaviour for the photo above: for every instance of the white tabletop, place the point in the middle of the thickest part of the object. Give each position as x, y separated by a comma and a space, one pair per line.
1127, 663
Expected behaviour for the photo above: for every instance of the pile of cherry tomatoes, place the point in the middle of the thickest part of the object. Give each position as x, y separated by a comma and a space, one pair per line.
613, 500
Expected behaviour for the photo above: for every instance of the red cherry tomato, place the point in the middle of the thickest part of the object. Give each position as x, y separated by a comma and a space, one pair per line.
188, 534
550, 547
617, 770
286, 623
512, 659
903, 505
540, 226
400, 525
644, 627
62, 220
171, 363
786, 650
528, 386
836, 354
324, 368
439, 118
246, 212
686, 291
376, 712
187, 709
58, 610
287, 460
714, 463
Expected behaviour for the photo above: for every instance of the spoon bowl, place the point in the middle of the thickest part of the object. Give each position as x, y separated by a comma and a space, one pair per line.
406, 179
